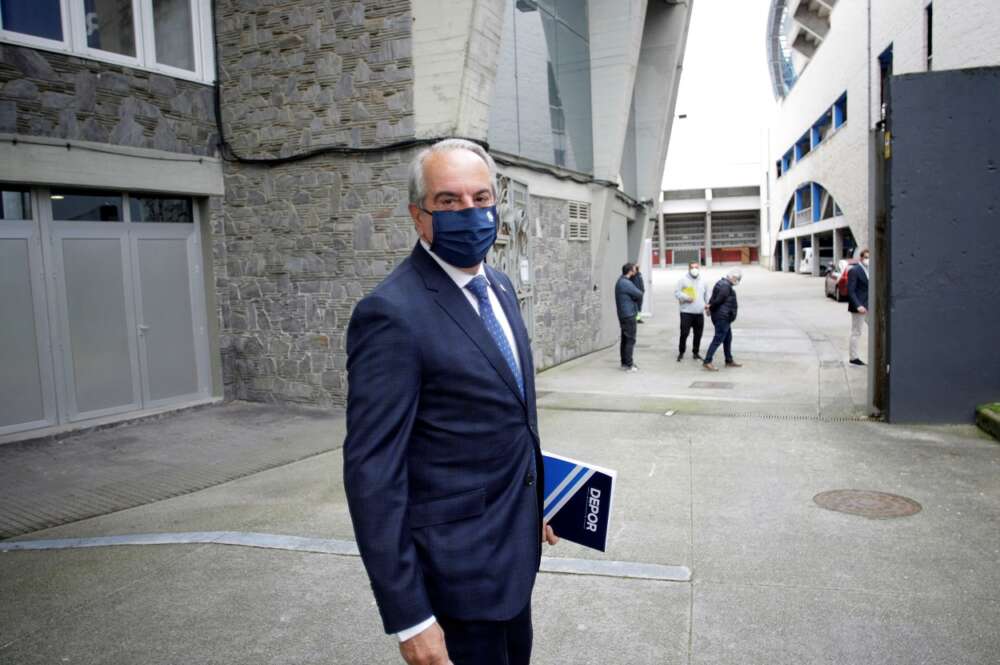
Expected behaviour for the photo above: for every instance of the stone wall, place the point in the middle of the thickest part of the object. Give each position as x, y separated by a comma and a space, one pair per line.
297, 244
62, 96
303, 74
566, 306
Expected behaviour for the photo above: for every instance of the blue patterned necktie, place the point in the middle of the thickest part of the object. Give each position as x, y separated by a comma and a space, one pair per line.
479, 287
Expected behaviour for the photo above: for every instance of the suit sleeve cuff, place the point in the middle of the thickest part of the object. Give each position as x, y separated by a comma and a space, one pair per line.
404, 635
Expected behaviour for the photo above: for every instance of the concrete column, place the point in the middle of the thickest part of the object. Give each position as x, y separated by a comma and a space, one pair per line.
708, 228
659, 223
798, 254
815, 246
838, 245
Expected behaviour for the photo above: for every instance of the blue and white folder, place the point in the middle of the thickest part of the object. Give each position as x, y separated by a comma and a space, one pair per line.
578, 500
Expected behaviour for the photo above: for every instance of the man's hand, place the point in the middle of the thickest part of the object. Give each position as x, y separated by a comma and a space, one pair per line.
862, 310
426, 648
548, 535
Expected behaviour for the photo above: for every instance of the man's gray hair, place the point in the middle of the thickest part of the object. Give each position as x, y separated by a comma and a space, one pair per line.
735, 273
418, 186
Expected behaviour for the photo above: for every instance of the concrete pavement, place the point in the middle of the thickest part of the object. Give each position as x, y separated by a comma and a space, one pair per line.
724, 486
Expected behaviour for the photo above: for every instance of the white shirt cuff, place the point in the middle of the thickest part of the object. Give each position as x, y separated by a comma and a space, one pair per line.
404, 635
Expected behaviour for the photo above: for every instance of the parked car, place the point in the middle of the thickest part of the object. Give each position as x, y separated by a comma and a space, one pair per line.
836, 279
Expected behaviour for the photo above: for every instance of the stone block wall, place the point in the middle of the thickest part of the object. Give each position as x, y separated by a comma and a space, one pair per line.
297, 244
566, 306
296, 247
303, 74
63, 96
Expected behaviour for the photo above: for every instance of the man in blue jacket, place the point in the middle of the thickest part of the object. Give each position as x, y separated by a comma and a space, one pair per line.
722, 307
857, 304
628, 298
442, 460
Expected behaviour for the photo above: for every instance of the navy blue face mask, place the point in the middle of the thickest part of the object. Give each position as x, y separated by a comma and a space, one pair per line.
463, 237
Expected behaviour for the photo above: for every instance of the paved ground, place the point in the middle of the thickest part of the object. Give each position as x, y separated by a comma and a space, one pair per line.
50, 482
724, 487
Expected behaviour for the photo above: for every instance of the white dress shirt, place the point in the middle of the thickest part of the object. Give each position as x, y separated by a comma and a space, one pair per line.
461, 279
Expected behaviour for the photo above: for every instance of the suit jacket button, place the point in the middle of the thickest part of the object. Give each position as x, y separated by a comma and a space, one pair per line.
529, 479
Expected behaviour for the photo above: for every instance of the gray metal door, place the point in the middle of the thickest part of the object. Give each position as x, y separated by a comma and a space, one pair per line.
166, 268
27, 393
101, 294
92, 270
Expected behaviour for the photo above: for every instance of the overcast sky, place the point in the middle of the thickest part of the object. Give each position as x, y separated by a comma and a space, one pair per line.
725, 91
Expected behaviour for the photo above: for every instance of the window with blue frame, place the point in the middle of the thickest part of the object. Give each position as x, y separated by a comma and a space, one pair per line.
831, 119
802, 147
840, 111
821, 128
811, 203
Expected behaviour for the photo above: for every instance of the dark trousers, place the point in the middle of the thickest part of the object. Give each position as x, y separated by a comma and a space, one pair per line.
628, 340
689, 322
489, 642
723, 336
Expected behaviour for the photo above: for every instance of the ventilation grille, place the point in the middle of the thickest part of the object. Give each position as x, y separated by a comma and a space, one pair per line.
579, 221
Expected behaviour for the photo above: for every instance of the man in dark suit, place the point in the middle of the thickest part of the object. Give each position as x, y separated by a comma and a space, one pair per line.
628, 298
722, 307
640, 284
857, 303
442, 460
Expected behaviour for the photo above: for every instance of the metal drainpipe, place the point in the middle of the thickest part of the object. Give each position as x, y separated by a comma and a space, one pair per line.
873, 304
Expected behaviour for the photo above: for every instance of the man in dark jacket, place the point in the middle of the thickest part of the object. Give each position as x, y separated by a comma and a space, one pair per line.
722, 308
639, 284
627, 300
857, 303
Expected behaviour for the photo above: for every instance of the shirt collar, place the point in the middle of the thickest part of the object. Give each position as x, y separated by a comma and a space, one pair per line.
459, 276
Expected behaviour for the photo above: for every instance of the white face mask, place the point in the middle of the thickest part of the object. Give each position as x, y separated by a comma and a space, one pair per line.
864, 262
693, 272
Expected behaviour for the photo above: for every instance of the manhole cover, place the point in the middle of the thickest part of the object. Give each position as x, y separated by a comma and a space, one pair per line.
718, 385
874, 505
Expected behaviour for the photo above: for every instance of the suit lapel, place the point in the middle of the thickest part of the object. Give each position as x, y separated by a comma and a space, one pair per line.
450, 298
